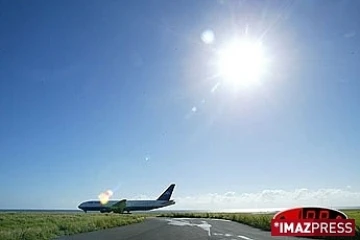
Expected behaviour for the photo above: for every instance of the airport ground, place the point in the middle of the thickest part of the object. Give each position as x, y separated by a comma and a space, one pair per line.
77, 226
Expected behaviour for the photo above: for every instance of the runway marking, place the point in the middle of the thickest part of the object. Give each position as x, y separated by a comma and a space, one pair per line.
244, 237
230, 235
181, 222
224, 220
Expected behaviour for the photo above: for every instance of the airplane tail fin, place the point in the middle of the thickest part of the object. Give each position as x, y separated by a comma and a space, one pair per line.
167, 194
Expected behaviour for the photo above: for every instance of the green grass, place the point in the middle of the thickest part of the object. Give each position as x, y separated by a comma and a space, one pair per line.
39, 226
261, 221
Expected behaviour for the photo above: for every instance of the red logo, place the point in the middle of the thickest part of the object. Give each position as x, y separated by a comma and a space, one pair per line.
312, 222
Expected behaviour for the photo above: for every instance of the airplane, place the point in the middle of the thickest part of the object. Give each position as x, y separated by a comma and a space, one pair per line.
120, 206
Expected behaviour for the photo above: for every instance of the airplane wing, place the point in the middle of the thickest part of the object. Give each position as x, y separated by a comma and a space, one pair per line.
119, 206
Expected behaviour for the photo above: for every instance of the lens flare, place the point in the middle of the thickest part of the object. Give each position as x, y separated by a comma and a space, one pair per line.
208, 36
105, 196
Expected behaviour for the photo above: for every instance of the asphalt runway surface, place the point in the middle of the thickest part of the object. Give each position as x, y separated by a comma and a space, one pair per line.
179, 229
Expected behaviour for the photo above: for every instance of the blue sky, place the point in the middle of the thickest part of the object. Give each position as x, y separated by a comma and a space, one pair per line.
98, 95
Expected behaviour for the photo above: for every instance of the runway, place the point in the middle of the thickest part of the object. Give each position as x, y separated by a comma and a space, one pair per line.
180, 229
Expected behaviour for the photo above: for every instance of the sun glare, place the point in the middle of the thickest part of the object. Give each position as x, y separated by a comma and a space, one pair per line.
241, 63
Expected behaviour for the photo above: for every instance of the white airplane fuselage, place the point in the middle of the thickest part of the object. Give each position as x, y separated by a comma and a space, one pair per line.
131, 205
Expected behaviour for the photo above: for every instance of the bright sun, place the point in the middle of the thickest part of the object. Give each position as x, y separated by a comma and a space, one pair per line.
241, 63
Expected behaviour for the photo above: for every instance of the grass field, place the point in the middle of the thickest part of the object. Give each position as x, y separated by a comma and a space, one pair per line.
261, 221
38, 226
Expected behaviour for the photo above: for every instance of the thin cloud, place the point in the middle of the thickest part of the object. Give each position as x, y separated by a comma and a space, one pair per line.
350, 34
330, 197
